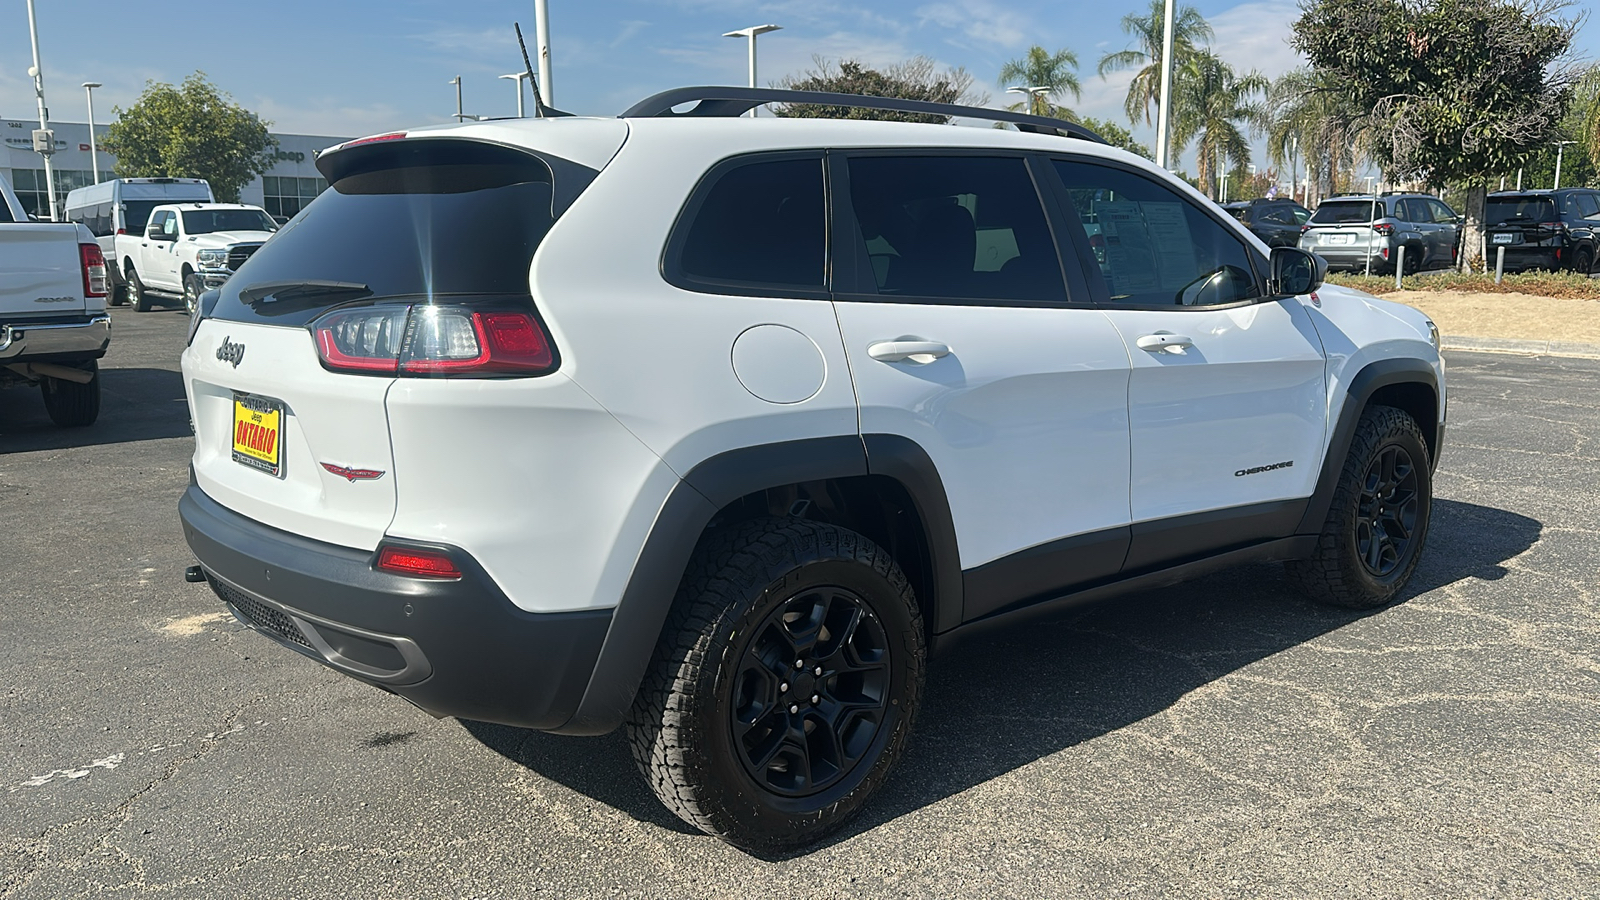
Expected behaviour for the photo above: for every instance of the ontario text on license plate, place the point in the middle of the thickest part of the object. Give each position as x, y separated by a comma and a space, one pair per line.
258, 432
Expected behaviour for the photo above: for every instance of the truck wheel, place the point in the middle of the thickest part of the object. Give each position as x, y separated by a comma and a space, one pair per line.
192, 289
137, 296
1379, 517
784, 686
70, 404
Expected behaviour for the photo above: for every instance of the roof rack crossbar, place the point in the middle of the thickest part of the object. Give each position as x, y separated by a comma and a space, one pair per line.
728, 102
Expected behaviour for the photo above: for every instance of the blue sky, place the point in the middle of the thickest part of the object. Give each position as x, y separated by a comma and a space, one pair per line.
352, 67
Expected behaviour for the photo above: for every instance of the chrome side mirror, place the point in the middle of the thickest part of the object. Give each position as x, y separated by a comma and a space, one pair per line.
1296, 272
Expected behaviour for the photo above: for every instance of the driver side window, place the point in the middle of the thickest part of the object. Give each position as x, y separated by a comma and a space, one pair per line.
1155, 247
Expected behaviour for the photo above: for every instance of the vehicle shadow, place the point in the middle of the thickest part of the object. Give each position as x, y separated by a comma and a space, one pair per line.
135, 405
1060, 682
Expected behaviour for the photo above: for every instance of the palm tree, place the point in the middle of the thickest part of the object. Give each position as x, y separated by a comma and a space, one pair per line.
1189, 30
1587, 101
1210, 103
1041, 69
1307, 116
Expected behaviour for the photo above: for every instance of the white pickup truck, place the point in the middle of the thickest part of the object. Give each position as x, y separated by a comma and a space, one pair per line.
189, 248
53, 322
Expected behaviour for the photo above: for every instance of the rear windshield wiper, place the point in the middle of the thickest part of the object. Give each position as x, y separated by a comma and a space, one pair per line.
270, 291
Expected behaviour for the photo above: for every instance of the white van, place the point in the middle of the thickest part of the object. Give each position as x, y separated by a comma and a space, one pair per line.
122, 206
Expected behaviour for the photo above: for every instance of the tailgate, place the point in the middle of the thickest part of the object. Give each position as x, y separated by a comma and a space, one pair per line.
322, 419
43, 270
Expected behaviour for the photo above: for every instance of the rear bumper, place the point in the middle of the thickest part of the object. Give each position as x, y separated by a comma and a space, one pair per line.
1352, 258
452, 648
45, 341
1519, 258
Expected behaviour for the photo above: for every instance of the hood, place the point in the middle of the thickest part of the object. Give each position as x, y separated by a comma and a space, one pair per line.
224, 238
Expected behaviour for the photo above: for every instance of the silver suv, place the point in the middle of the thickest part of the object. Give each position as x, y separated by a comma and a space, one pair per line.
1364, 232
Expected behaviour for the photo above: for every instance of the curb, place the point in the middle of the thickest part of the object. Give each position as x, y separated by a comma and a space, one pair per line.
1515, 345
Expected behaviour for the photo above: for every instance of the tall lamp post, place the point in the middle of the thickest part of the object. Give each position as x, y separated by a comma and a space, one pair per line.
518, 78
752, 33
94, 152
1163, 110
44, 142
1036, 95
461, 116
1560, 145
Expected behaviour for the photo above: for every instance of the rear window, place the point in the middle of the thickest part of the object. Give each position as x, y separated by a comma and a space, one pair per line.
414, 219
1517, 210
136, 214
1347, 212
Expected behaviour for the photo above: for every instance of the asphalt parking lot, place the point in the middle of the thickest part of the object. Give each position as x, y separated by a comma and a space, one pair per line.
1219, 739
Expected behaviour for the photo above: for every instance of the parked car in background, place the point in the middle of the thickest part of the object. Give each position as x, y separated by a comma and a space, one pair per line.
122, 206
188, 249
53, 322
1275, 221
1357, 231
1550, 229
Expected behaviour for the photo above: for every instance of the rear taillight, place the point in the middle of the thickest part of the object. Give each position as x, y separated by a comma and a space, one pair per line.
94, 270
1383, 228
430, 339
417, 563
122, 231
1304, 228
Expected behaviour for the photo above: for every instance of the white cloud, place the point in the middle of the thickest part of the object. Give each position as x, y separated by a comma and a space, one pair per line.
1256, 36
978, 21
325, 116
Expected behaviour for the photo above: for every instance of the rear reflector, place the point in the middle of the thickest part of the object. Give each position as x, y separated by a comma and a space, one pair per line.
417, 563
94, 270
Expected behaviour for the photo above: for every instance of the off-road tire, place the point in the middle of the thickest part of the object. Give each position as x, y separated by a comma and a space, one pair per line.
72, 405
1336, 574
682, 725
138, 297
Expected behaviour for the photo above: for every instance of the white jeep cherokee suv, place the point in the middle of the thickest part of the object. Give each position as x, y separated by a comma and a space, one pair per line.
714, 426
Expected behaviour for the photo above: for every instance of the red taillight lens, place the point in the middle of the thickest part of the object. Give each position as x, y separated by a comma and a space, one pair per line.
1304, 228
430, 339
1383, 228
122, 231
391, 136
417, 563
94, 270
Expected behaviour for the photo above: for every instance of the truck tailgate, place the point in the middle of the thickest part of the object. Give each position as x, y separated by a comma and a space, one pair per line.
41, 271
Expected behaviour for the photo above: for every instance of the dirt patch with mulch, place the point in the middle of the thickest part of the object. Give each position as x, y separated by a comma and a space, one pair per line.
1510, 316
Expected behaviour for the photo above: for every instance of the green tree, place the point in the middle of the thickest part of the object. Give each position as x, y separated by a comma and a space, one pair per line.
1213, 106
1311, 123
914, 79
1451, 90
1189, 30
1042, 69
190, 131
1587, 108
1116, 136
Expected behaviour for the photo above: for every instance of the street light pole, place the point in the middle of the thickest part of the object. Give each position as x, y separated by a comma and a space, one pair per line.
1036, 95
752, 33
518, 77
1560, 145
541, 37
37, 73
1163, 115
461, 116
94, 153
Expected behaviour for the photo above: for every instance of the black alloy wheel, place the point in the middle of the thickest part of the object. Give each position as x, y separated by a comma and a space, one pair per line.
811, 691
1386, 517
1583, 261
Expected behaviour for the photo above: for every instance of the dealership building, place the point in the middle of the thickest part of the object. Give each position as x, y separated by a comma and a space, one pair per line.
289, 184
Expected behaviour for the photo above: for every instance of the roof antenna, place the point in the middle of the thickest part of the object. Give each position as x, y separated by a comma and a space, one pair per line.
539, 109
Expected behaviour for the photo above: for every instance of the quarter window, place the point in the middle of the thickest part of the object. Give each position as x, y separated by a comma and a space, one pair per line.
759, 225
1155, 247
1588, 206
952, 227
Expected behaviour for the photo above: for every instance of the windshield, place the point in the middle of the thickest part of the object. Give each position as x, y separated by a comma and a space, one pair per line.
1518, 210
457, 219
1347, 212
206, 221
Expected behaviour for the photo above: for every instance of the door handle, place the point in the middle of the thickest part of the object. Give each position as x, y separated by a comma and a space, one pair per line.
1163, 340
899, 351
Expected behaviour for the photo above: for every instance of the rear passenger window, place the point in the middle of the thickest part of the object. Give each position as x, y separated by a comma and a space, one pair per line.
961, 228
1154, 247
1588, 206
759, 225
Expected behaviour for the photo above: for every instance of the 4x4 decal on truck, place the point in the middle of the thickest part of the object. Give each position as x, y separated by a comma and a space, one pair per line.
1258, 469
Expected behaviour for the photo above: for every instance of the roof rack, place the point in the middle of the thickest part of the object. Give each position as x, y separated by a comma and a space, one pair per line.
728, 102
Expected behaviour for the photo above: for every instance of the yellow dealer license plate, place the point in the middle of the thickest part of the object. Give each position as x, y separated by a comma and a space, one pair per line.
258, 432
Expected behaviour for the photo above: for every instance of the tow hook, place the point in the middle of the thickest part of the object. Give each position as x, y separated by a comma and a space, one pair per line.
193, 575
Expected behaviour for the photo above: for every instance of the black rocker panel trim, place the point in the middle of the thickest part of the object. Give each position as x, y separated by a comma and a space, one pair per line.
1368, 381
1041, 572
1180, 539
1296, 547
